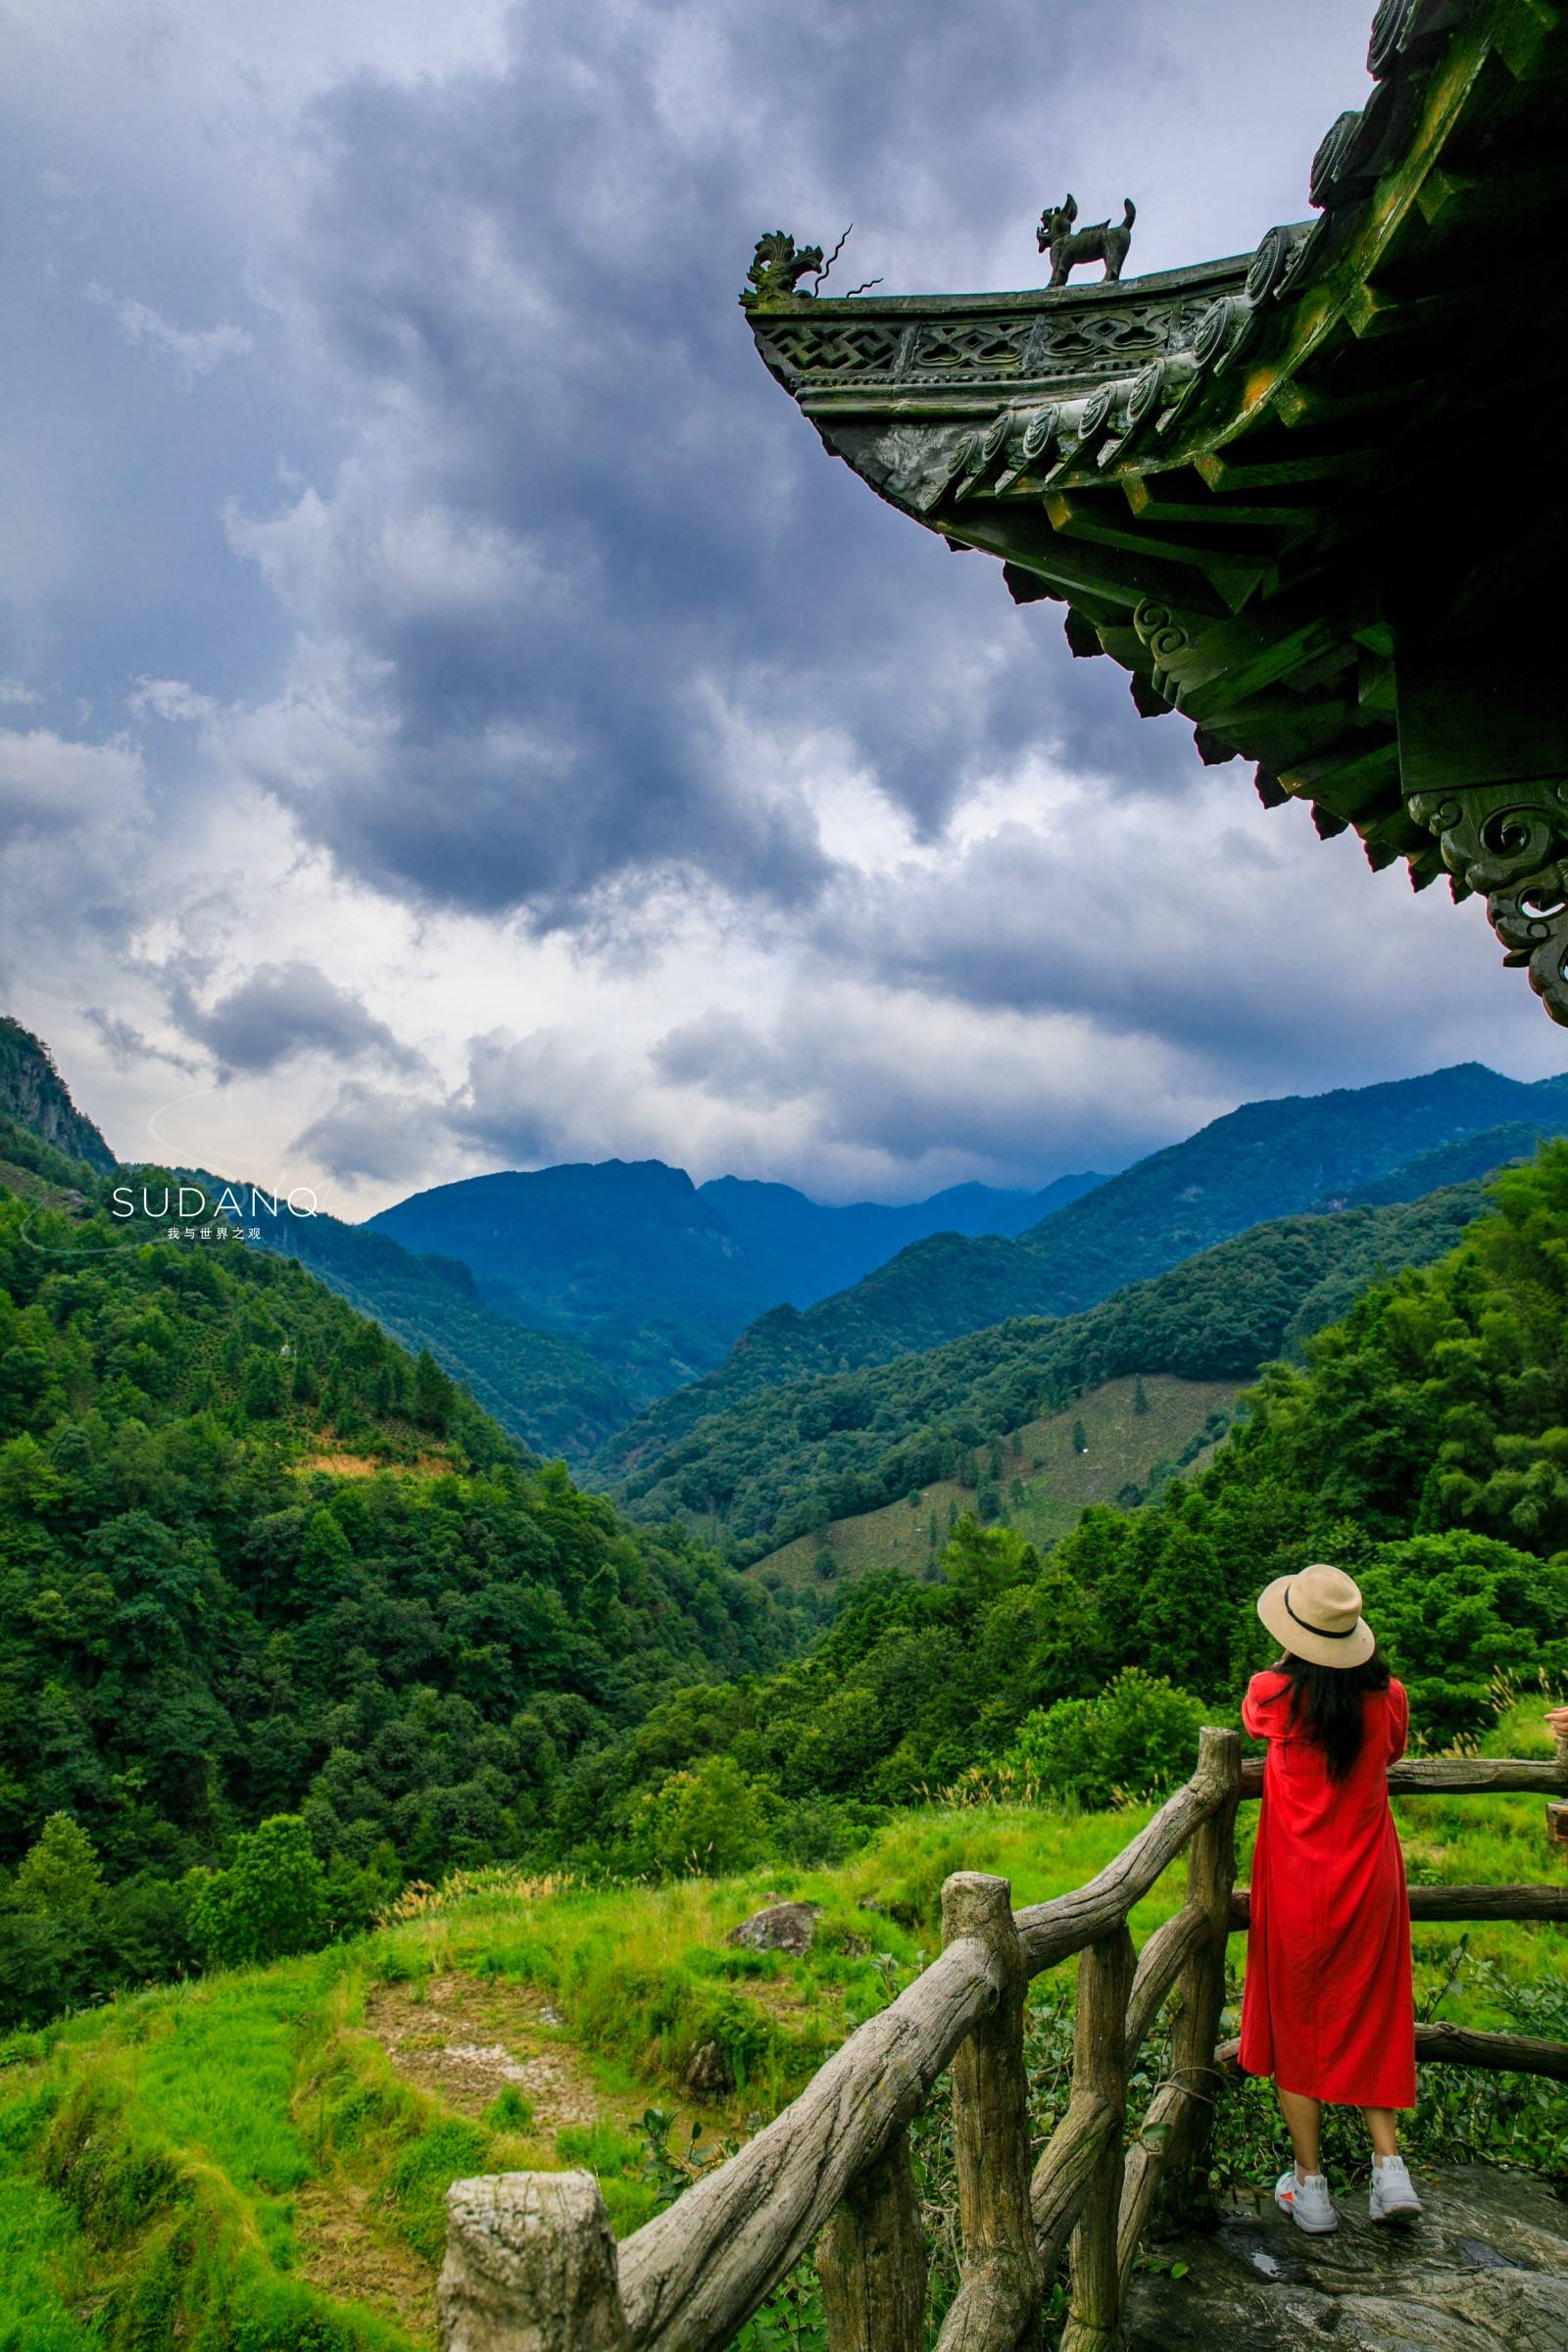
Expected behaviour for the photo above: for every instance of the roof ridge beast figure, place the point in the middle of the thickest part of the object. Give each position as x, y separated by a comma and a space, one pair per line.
1068, 246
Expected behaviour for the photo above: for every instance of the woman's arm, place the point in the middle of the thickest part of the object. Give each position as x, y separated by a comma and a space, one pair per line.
1398, 1721
1260, 1718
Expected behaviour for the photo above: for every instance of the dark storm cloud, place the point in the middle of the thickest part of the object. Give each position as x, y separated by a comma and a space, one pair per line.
280, 1010
578, 518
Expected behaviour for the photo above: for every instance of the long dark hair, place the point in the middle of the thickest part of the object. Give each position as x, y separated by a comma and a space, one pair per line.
1326, 1702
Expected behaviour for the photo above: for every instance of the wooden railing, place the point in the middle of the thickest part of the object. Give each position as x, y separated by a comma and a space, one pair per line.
531, 2266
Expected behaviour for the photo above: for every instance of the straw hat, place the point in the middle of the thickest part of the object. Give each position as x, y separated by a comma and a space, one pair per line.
1317, 1616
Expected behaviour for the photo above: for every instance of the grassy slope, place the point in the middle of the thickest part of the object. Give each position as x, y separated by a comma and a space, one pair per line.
276, 2132
1124, 1447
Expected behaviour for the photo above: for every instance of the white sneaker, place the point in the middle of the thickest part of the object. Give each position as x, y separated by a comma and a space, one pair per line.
1307, 2202
1392, 2196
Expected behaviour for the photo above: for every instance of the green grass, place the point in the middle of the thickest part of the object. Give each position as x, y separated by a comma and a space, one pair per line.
1058, 1481
41, 2268
164, 2161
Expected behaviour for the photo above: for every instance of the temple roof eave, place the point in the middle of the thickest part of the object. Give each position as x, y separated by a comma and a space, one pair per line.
1215, 469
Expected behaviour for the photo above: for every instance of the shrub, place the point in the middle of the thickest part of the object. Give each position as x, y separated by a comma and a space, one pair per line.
1138, 1736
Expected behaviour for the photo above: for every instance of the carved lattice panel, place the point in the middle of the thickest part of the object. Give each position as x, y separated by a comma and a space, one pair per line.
868, 347
987, 346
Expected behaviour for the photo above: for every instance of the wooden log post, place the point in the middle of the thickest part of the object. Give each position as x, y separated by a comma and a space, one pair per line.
871, 2260
1002, 2288
1450, 1903
1210, 1877
531, 2266
1104, 1984
1455, 1776
1179, 2124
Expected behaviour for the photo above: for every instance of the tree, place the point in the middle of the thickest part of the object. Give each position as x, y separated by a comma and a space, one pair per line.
1140, 1396
435, 1397
1080, 1438
60, 1874
271, 1901
1139, 1738
706, 1821
265, 1391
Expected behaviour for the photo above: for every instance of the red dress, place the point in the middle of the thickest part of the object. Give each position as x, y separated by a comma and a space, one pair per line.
1328, 2008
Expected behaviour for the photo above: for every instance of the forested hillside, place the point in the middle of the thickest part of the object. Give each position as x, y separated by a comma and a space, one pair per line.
779, 1464
546, 1389
1266, 1160
256, 1560
1424, 1447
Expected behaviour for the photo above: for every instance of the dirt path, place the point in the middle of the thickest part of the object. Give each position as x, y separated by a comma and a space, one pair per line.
349, 2250
466, 2041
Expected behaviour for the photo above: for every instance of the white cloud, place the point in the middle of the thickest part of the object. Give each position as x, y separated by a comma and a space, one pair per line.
170, 699
195, 351
50, 786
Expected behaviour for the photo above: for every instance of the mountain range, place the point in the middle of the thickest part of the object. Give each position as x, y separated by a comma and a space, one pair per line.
1263, 1160
655, 1275
789, 1461
606, 1311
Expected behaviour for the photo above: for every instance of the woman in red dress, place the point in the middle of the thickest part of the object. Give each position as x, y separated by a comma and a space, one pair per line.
1328, 2008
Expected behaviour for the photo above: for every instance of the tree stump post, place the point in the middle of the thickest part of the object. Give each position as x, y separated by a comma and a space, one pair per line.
531, 2266
871, 2260
1210, 1877
1099, 2064
1001, 2289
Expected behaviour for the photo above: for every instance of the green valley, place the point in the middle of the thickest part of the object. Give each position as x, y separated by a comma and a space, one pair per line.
784, 1462
1038, 1478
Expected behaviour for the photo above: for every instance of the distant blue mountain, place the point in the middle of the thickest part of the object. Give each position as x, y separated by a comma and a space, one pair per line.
658, 1275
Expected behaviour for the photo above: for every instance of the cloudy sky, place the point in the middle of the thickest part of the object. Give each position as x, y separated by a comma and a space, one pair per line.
454, 715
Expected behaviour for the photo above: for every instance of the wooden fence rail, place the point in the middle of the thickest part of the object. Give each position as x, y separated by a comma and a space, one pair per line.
530, 2264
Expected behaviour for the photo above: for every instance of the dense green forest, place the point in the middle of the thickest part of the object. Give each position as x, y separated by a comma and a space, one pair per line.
549, 1391
1424, 1447
1264, 1160
787, 1461
256, 1560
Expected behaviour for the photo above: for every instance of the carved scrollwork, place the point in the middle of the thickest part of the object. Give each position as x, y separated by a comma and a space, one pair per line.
1147, 392
965, 458
1158, 628
1302, 256
1219, 323
1101, 413
1038, 433
995, 434
1267, 265
1510, 841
